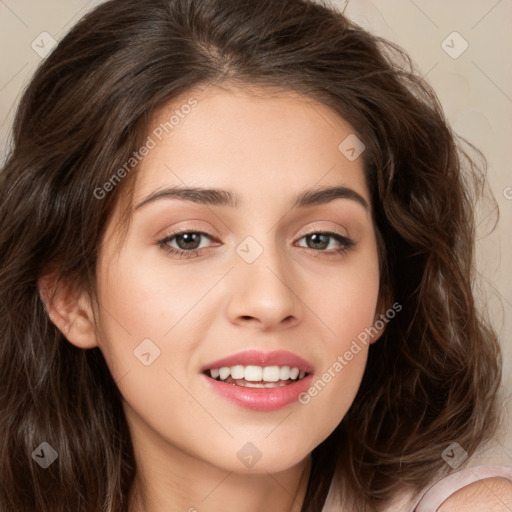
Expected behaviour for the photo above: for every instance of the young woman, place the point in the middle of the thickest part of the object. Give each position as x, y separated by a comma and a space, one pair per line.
236, 256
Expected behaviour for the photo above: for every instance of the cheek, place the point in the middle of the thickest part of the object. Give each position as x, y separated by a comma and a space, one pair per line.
346, 308
136, 312
345, 301
345, 352
143, 299
153, 318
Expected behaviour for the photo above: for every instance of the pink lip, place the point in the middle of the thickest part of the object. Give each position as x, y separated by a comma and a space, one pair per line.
257, 358
261, 399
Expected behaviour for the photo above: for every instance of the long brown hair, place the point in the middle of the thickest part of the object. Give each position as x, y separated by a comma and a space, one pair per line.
433, 376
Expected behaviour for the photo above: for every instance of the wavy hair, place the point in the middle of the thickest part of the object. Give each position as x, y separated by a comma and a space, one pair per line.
433, 376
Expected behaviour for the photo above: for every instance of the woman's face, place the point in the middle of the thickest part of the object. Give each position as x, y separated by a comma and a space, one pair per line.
257, 284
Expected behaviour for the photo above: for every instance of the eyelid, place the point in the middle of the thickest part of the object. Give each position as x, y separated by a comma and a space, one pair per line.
169, 232
317, 228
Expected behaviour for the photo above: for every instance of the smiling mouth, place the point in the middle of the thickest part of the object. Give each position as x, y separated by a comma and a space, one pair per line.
257, 376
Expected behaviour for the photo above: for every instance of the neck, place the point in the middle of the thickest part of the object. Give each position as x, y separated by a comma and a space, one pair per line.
213, 490
170, 480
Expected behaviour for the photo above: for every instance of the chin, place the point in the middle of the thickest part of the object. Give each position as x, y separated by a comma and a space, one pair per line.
262, 457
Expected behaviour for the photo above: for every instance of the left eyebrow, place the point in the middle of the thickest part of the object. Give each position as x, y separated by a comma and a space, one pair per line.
220, 197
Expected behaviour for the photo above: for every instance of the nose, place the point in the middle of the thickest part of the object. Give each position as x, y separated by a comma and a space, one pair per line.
262, 292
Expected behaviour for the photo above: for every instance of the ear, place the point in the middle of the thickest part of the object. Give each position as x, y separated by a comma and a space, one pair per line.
70, 309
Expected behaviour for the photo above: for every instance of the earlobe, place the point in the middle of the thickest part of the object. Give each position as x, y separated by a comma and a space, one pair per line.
70, 310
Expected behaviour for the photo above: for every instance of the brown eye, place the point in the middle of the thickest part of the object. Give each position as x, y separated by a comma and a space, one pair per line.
319, 241
188, 240
187, 243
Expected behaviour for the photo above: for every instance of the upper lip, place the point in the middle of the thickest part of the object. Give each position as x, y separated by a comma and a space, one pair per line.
258, 358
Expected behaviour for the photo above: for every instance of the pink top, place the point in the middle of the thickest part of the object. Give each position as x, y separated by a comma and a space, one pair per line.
432, 499
444, 488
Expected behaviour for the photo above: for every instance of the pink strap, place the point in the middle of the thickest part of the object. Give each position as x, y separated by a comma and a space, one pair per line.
442, 490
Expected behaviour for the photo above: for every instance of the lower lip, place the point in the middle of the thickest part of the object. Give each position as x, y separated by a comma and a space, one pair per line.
260, 399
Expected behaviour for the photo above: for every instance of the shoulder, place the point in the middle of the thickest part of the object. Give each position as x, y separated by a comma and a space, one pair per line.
495, 492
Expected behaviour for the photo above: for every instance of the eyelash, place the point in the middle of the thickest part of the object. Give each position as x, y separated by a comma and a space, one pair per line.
193, 253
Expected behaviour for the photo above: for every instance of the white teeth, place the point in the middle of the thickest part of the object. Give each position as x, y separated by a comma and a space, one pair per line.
224, 372
252, 373
262, 384
237, 372
252, 385
271, 373
284, 372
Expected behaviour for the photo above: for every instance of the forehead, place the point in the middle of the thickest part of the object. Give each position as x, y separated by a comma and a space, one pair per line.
263, 144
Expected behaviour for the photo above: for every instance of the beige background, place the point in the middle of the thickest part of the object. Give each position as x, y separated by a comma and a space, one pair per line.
474, 87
